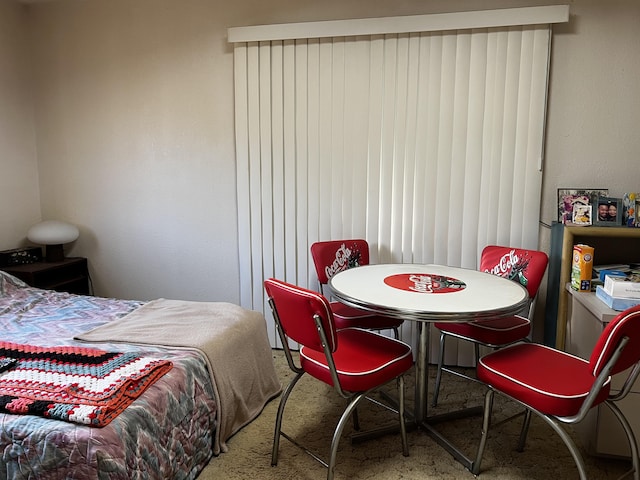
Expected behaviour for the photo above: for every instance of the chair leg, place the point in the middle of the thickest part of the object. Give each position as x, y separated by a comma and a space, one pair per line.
553, 423
525, 429
486, 423
351, 410
356, 420
436, 388
278, 427
577, 458
403, 427
353, 404
633, 445
396, 333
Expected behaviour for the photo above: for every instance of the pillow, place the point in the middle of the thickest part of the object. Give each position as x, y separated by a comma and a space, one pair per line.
8, 279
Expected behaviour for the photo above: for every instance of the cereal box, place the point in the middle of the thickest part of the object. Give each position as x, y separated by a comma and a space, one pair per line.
582, 268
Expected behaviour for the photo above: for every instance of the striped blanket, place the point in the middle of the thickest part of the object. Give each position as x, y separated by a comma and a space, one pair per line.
74, 384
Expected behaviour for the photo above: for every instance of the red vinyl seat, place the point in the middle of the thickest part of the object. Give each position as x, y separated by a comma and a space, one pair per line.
333, 256
560, 395
562, 388
363, 361
521, 265
352, 360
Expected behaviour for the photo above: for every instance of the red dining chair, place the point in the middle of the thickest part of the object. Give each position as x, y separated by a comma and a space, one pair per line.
562, 388
333, 256
524, 266
352, 360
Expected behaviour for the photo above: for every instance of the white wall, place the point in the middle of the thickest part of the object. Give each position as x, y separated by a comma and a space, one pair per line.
594, 104
19, 197
135, 139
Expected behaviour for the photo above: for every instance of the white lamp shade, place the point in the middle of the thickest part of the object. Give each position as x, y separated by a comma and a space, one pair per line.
53, 232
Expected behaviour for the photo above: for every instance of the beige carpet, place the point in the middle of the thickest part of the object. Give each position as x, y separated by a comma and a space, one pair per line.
313, 410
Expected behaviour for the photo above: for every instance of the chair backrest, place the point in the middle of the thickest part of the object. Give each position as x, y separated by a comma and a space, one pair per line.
524, 266
295, 309
625, 324
334, 256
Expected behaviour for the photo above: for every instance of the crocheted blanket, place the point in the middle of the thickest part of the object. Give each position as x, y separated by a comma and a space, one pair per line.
74, 384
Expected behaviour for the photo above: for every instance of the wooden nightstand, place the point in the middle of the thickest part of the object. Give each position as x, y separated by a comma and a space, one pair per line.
69, 275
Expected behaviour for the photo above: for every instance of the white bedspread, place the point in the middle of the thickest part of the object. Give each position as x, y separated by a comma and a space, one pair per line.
244, 379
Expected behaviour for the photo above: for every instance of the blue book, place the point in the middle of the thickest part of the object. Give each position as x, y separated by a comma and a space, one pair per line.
613, 273
616, 303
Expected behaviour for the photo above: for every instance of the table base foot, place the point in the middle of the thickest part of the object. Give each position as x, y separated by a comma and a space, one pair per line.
454, 415
360, 437
448, 446
429, 427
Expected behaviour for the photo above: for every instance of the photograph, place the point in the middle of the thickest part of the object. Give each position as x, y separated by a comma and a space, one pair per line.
630, 203
609, 212
568, 197
581, 214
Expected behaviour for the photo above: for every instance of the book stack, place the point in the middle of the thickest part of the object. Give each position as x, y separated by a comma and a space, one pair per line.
620, 293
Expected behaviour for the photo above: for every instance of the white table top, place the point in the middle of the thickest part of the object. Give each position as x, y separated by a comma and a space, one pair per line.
416, 292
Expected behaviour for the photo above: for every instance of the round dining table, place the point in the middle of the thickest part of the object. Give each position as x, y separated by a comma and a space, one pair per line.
425, 294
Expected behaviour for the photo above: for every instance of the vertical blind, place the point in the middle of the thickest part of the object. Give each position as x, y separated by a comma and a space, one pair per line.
428, 144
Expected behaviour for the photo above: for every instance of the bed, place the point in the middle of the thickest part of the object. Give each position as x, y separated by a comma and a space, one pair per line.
214, 375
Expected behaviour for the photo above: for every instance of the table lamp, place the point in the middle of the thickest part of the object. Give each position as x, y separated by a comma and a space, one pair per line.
53, 234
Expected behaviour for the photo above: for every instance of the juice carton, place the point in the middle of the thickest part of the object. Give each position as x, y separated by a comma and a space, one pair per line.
581, 268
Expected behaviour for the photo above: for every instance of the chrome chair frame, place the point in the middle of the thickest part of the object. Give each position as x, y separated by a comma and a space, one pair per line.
441, 367
555, 422
353, 401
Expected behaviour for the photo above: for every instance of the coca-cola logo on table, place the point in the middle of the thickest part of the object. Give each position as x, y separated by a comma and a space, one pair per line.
425, 283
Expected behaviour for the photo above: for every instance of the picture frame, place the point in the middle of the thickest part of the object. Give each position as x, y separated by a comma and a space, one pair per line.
581, 214
630, 205
608, 212
568, 197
